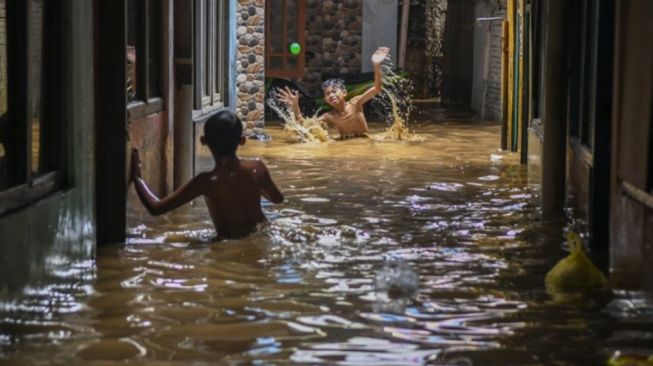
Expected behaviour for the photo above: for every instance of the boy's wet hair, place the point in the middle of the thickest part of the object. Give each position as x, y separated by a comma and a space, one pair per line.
222, 132
333, 83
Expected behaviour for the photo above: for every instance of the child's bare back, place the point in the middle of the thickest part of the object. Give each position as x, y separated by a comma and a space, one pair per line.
232, 193
232, 189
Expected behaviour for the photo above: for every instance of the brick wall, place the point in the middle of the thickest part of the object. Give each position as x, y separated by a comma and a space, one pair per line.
333, 40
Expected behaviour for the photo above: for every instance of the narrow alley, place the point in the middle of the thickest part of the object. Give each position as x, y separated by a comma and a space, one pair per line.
305, 288
460, 182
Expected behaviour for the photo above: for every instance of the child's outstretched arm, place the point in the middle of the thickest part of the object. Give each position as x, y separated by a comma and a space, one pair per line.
377, 58
269, 190
291, 99
154, 205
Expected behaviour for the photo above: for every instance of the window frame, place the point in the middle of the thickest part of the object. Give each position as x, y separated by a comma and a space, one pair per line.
210, 37
537, 73
26, 187
144, 103
650, 148
583, 64
285, 54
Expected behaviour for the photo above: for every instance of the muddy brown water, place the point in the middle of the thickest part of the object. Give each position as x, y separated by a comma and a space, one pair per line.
452, 209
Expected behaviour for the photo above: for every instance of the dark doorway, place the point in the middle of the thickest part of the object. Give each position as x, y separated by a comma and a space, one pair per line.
110, 121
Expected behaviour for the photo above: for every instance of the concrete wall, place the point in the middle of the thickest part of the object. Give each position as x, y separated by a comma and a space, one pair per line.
54, 238
472, 56
481, 57
380, 19
535, 140
579, 181
486, 83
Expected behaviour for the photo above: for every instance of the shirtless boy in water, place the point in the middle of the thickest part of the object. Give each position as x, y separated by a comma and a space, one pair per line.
347, 116
232, 190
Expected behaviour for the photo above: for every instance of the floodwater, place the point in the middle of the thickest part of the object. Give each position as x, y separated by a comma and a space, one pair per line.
453, 216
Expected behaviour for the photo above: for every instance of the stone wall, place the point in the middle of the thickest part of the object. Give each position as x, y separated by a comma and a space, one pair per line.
333, 40
436, 15
250, 63
425, 45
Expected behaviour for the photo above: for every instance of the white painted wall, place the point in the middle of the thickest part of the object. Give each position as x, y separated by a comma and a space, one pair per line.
486, 79
380, 19
481, 58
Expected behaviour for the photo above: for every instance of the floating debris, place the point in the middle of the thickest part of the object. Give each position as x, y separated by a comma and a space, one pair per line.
574, 272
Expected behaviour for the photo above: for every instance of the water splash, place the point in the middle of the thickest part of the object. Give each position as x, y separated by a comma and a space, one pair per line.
396, 285
397, 99
398, 131
311, 130
398, 91
398, 279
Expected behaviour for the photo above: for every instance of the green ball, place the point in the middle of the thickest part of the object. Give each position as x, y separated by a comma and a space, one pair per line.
295, 48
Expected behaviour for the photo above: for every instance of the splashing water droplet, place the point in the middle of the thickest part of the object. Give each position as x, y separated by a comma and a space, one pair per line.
398, 90
311, 130
398, 280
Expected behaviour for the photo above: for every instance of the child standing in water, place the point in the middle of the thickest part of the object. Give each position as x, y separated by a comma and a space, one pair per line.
347, 116
232, 190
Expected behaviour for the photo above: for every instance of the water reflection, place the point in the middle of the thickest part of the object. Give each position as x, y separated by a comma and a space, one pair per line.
302, 290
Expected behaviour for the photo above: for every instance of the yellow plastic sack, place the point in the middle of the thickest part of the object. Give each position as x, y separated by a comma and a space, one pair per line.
576, 271
624, 360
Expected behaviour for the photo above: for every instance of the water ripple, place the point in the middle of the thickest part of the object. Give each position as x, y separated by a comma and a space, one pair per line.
303, 289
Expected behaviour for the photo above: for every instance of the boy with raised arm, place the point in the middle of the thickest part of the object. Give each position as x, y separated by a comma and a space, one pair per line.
347, 116
232, 190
